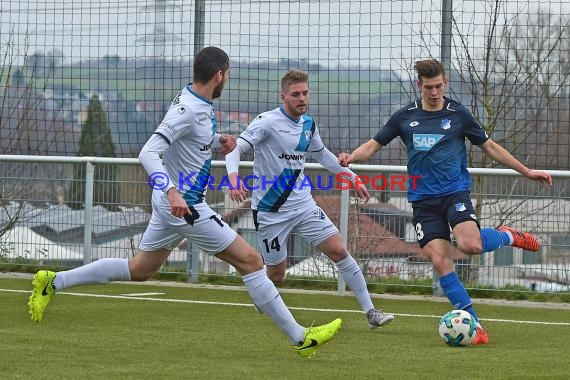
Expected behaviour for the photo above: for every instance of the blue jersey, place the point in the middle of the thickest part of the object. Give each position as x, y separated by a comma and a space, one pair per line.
435, 144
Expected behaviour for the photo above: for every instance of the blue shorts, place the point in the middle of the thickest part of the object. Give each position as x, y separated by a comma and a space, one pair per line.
434, 216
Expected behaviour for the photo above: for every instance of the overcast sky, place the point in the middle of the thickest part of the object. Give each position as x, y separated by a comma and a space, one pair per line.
337, 32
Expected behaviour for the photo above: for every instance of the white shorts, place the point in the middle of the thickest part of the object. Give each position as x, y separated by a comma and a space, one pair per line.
207, 229
274, 228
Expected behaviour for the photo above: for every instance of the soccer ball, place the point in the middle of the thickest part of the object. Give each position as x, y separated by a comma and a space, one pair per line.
457, 328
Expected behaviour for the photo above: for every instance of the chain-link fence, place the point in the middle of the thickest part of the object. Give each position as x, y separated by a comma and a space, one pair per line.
64, 64
39, 229
507, 61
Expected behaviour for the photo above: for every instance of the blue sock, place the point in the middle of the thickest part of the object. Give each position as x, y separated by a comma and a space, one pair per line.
493, 239
456, 293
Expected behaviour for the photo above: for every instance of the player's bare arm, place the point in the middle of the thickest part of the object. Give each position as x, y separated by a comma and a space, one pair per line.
237, 192
502, 156
363, 153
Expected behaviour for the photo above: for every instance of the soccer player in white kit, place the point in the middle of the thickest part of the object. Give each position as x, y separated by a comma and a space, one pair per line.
281, 200
180, 152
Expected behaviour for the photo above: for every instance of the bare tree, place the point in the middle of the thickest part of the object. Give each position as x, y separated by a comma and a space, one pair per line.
516, 86
516, 81
519, 90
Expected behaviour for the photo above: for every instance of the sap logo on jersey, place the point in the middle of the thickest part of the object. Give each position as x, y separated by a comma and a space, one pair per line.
425, 141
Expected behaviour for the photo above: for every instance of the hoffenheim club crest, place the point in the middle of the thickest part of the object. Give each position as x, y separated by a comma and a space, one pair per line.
308, 136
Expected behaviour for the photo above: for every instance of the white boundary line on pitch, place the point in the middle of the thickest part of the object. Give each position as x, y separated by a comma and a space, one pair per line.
130, 297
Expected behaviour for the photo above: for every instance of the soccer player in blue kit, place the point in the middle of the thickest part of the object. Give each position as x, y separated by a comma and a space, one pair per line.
434, 129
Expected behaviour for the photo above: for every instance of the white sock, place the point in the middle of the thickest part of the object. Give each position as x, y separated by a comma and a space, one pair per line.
266, 297
512, 239
101, 271
352, 275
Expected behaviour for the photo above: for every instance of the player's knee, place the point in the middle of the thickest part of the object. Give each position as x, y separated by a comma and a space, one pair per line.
249, 262
441, 263
276, 278
254, 260
141, 276
337, 253
276, 273
139, 273
471, 247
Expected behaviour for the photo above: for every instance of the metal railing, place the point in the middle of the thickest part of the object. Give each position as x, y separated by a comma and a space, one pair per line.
379, 235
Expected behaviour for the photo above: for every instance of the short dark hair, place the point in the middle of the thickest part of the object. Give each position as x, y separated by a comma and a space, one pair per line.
208, 62
293, 76
429, 68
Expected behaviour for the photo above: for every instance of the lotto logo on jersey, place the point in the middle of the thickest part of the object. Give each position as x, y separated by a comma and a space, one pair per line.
425, 141
177, 99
